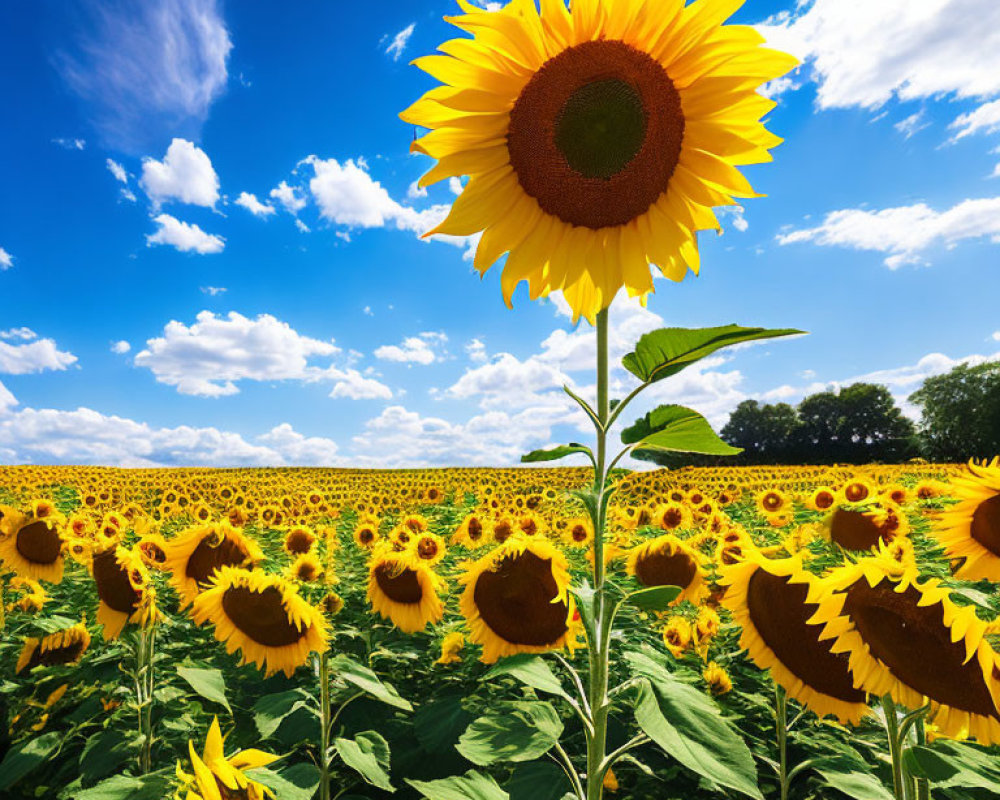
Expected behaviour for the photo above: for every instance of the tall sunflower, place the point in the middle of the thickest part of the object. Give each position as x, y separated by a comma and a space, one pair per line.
908, 639
194, 555
516, 599
668, 561
404, 589
263, 616
31, 546
214, 776
597, 138
773, 601
970, 530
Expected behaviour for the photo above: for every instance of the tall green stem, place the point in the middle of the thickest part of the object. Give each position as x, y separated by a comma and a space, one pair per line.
599, 649
327, 724
145, 650
923, 785
781, 725
895, 747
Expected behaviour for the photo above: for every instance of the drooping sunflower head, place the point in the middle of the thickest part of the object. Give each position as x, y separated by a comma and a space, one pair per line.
194, 555
970, 530
516, 599
263, 616
909, 640
33, 548
596, 138
62, 647
404, 589
774, 603
668, 561
124, 590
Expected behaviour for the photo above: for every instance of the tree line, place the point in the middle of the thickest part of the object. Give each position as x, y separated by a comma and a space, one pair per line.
861, 423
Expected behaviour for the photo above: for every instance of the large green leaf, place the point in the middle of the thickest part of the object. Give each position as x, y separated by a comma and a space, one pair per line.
952, 764
688, 726
26, 756
537, 780
851, 781
154, 786
555, 453
665, 352
368, 754
470, 786
209, 683
676, 428
438, 723
531, 670
653, 598
349, 670
513, 731
272, 709
298, 782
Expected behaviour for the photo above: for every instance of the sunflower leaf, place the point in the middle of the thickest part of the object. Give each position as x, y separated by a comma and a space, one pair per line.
666, 351
688, 726
153, 786
653, 598
555, 453
367, 754
951, 764
349, 670
298, 782
849, 780
513, 731
208, 683
271, 710
472, 785
25, 756
676, 428
531, 670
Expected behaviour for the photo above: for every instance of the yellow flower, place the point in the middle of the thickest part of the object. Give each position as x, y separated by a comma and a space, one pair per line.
717, 678
668, 561
676, 635
597, 138
451, 646
970, 530
404, 589
216, 777
62, 647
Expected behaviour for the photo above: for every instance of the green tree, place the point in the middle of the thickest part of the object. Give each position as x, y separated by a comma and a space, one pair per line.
961, 413
767, 433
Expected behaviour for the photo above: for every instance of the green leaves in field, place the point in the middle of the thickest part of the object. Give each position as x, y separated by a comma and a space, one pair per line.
676, 428
470, 786
208, 683
555, 453
298, 782
512, 731
688, 726
665, 352
26, 756
154, 786
345, 668
947, 764
531, 670
654, 598
272, 709
367, 754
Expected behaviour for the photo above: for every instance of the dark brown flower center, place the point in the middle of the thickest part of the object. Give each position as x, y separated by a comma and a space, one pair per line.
366, 535
427, 548
502, 532
515, 601
113, 584
261, 616
672, 518
916, 646
853, 530
772, 501
663, 568
856, 492
579, 533
206, 559
298, 542
986, 524
596, 133
38, 543
780, 614
399, 585
56, 655
475, 529
824, 500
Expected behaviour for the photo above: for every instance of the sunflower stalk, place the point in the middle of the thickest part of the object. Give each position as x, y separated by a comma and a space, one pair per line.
145, 650
892, 727
781, 726
326, 723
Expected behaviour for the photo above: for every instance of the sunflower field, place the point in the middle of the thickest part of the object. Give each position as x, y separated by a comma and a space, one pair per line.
294, 633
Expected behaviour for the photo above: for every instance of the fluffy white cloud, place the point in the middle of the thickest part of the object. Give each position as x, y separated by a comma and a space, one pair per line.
423, 349
33, 356
904, 233
116, 169
864, 53
7, 400
148, 67
120, 347
352, 384
476, 351
6, 259
24, 334
209, 357
985, 119
288, 197
186, 237
254, 206
399, 41
912, 124
186, 174
298, 449
996, 336
508, 382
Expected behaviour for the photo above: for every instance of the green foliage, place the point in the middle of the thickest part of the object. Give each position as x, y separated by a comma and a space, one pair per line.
961, 413
208, 683
556, 453
511, 731
471, 786
678, 429
368, 754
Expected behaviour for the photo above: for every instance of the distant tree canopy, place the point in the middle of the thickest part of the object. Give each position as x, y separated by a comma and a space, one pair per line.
960, 413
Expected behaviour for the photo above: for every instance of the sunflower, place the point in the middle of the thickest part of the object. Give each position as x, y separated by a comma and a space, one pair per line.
667, 561
677, 634
970, 530
717, 678
306, 568
503, 528
32, 547
823, 498
597, 138
774, 602
299, 540
771, 501
516, 599
124, 589
366, 532
216, 777
473, 532
672, 516
858, 490
263, 617
908, 639
153, 549
451, 646
404, 589
32, 597
855, 530
579, 532
193, 556
62, 647
429, 547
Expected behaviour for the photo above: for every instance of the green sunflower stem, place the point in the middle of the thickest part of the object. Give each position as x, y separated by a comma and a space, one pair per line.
145, 650
326, 723
899, 785
781, 727
923, 785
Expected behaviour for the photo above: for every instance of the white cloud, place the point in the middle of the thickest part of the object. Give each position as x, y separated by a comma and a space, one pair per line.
904, 233
476, 351
288, 197
298, 449
71, 144
185, 174
423, 349
985, 119
735, 216
912, 124
148, 67
996, 336
508, 382
455, 185
6, 259
116, 169
7, 400
413, 191
355, 386
864, 53
33, 356
398, 43
120, 347
186, 237
254, 206
24, 334
303, 228
214, 291
209, 357
367, 311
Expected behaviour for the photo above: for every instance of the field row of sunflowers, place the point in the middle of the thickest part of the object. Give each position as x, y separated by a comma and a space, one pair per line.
295, 633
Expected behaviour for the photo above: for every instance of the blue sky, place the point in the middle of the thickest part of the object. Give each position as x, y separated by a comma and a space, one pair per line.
210, 253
